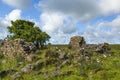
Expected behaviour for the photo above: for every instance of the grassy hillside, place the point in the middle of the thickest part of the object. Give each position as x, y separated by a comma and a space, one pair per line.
98, 67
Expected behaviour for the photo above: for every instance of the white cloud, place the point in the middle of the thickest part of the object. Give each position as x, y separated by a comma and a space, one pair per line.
13, 15
6, 21
81, 11
56, 22
18, 3
84, 10
110, 6
104, 32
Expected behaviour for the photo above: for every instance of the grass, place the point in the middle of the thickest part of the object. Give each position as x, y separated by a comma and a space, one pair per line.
106, 69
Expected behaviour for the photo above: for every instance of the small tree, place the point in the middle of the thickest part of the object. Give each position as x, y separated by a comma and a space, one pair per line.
26, 30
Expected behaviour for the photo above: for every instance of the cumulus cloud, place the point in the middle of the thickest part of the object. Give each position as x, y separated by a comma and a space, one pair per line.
13, 15
73, 11
104, 32
109, 6
81, 9
18, 3
56, 22
4, 22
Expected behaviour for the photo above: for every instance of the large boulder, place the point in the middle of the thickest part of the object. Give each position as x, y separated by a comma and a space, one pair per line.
17, 47
77, 42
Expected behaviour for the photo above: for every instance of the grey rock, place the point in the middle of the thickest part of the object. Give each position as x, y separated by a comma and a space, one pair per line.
28, 68
77, 42
38, 64
16, 75
37, 72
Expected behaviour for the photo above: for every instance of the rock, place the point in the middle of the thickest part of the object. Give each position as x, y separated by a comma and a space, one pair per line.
56, 72
37, 72
3, 73
102, 48
3, 61
28, 68
38, 64
26, 48
17, 47
51, 54
16, 75
6, 72
30, 58
76, 42
63, 55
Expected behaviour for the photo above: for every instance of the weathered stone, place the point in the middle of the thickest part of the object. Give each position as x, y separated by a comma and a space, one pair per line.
17, 47
51, 54
15, 76
76, 42
6, 72
56, 72
37, 72
102, 48
3, 73
38, 65
30, 58
63, 55
28, 68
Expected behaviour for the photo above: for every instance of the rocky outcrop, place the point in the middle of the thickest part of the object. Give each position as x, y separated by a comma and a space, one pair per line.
102, 48
76, 42
18, 47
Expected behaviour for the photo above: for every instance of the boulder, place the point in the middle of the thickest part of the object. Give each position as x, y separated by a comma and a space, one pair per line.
38, 65
102, 48
17, 47
77, 42
15, 76
28, 68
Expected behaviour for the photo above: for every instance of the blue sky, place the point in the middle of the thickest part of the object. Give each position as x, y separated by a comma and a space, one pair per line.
97, 20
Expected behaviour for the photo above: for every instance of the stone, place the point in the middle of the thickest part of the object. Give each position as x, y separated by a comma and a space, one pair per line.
63, 55
37, 72
102, 48
18, 47
30, 58
77, 42
3, 73
28, 68
38, 64
56, 72
16, 75
51, 54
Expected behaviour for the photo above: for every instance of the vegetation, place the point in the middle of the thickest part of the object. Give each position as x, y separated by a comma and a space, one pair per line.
56, 62
100, 67
26, 30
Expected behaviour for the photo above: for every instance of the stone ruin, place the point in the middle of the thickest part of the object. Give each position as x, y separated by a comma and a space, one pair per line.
17, 47
77, 42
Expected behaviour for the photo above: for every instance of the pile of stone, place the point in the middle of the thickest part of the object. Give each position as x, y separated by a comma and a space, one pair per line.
103, 48
77, 42
17, 47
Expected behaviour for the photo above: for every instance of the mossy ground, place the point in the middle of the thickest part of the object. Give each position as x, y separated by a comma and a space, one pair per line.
107, 67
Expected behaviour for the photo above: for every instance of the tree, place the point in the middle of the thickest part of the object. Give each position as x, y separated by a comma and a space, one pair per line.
26, 30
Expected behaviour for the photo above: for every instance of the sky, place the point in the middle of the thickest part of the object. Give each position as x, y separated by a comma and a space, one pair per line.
97, 20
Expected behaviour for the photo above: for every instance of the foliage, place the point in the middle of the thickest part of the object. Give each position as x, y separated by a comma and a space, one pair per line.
26, 30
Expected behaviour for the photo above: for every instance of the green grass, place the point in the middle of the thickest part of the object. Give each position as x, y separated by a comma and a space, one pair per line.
107, 69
